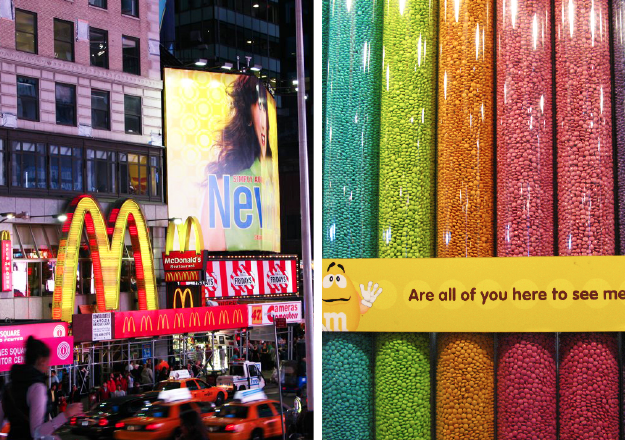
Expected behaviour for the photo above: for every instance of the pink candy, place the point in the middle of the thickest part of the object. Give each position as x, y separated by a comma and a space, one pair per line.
589, 385
526, 386
584, 128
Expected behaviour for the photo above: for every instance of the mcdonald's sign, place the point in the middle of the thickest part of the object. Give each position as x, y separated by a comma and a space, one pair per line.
163, 322
184, 236
209, 318
179, 321
179, 293
194, 319
106, 241
184, 321
178, 276
6, 256
147, 320
130, 320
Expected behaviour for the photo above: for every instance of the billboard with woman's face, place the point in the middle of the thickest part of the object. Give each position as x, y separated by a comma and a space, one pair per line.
222, 158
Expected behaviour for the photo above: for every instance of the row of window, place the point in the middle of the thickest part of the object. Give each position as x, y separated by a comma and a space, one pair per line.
54, 166
129, 7
260, 9
26, 41
65, 95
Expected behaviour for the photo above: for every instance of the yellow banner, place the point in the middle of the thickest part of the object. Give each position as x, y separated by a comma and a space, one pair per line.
535, 294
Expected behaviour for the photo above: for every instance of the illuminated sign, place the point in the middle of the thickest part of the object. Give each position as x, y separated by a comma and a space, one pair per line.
191, 320
184, 236
106, 241
182, 276
61, 352
7, 268
179, 293
237, 278
266, 313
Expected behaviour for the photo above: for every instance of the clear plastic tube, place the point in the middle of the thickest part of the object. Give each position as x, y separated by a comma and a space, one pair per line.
347, 399
402, 386
618, 41
408, 127
584, 128
524, 129
352, 129
526, 386
465, 129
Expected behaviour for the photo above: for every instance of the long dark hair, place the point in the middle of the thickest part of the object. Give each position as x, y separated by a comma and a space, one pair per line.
239, 146
35, 349
192, 421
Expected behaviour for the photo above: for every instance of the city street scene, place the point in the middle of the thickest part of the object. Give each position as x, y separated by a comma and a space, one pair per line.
154, 219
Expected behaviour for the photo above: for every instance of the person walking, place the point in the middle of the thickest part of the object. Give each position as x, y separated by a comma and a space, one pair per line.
191, 427
119, 392
24, 400
147, 376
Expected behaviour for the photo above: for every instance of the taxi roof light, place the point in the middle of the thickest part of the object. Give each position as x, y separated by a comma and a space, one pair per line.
175, 395
179, 374
250, 395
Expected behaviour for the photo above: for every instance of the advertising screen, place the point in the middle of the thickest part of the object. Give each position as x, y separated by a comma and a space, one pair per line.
222, 158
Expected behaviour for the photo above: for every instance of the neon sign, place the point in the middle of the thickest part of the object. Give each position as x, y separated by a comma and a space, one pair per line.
106, 241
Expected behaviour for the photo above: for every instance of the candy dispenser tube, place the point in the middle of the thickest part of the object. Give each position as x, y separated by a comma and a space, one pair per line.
408, 129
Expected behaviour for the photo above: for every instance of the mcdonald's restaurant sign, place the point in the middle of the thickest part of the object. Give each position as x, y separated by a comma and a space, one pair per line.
6, 256
106, 240
175, 321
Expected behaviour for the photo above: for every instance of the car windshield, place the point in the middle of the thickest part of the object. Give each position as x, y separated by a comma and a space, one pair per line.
157, 411
106, 407
167, 385
232, 412
236, 370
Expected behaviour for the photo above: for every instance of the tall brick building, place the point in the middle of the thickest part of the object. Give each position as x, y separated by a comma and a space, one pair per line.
80, 113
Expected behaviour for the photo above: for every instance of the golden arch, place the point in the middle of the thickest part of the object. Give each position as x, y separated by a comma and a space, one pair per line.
184, 235
6, 235
106, 241
183, 295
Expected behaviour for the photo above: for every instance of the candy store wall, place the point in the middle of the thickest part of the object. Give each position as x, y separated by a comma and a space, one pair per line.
524, 129
408, 130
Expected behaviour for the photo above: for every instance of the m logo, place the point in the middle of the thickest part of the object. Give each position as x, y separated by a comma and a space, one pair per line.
129, 320
237, 316
6, 235
106, 240
209, 318
184, 235
183, 296
336, 322
179, 320
163, 322
148, 321
223, 317
194, 319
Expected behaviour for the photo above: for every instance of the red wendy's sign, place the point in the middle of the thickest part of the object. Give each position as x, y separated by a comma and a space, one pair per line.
7, 274
234, 278
182, 261
176, 321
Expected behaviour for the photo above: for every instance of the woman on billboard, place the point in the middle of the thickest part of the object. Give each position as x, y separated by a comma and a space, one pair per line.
240, 173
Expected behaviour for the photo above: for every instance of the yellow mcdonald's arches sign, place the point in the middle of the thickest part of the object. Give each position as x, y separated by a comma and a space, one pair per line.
163, 322
179, 320
183, 296
6, 235
106, 241
148, 321
184, 235
237, 316
130, 320
223, 317
194, 319
209, 318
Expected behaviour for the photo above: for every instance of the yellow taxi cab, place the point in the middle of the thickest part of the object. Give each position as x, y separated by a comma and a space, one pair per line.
161, 420
199, 389
250, 416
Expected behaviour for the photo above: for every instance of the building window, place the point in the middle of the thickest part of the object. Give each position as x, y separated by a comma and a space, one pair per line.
100, 110
27, 98
101, 171
25, 31
130, 48
65, 104
2, 167
63, 40
65, 168
132, 114
98, 42
133, 174
155, 176
98, 3
28, 163
130, 7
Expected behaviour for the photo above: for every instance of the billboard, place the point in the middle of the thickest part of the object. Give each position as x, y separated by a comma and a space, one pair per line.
222, 158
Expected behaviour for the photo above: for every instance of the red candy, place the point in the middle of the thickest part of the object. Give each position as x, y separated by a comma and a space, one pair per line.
584, 128
524, 129
589, 386
526, 386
